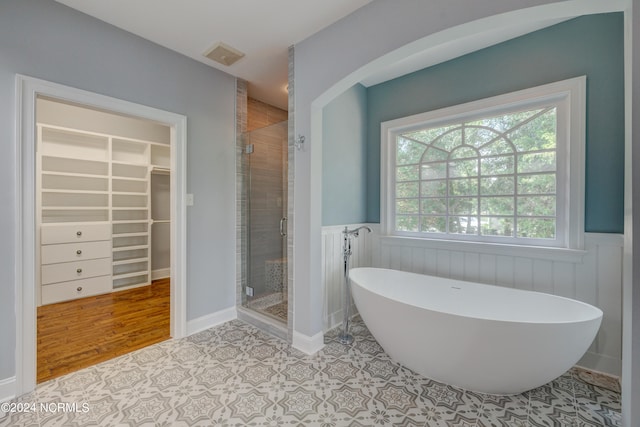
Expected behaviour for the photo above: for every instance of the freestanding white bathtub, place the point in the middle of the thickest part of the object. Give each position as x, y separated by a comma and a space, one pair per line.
483, 338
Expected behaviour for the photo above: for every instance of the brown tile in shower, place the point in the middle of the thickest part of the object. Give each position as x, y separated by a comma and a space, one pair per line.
260, 114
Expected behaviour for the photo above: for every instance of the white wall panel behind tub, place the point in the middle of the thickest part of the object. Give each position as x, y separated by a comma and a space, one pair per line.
593, 276
362, 249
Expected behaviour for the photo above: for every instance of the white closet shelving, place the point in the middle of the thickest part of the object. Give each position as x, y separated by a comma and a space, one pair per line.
88, 178
130, 212
74, 176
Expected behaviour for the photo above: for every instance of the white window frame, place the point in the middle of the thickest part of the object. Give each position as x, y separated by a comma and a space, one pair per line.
568, 96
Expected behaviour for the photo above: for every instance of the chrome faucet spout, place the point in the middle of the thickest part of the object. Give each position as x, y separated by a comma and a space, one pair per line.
356, 231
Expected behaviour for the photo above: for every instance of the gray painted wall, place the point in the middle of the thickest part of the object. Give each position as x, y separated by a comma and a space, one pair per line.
590, 45
344, 161
43, 39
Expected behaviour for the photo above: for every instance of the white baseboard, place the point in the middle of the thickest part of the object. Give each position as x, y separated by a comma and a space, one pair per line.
162, 273
335, 319
211, 320
601, 363
306, 344
7, 389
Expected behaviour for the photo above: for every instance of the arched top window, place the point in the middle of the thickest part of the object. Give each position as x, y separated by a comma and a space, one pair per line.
495, 170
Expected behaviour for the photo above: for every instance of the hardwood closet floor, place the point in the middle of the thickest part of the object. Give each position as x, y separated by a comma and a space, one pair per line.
75, 334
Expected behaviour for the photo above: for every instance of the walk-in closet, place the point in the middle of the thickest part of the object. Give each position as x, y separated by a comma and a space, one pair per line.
103, 210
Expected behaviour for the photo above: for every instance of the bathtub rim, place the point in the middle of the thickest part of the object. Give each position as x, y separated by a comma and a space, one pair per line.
598, 313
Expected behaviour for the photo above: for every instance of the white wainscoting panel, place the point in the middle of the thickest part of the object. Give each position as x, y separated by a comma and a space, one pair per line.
593, 276
362, 249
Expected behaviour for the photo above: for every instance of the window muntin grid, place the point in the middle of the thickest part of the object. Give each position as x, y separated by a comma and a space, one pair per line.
494, 176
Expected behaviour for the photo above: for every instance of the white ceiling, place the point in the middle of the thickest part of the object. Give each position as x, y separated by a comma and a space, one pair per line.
262, 29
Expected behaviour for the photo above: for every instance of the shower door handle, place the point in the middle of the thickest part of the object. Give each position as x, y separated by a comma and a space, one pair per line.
283, 228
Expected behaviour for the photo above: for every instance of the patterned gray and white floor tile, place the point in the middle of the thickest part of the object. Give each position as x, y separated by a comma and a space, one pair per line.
236, 375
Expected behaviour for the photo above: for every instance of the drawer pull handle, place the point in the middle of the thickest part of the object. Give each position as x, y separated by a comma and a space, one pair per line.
79, 271
79, 288
79, 252
78, 233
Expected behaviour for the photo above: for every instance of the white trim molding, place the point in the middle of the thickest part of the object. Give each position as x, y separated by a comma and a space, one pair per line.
601, 363
27, 90
162, 273
566, 97
211, 320
7, 389
306, 344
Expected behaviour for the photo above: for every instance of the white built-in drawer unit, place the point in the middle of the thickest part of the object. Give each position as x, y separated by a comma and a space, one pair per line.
65, 271
75, 261
65, 291
66, 252
69, 233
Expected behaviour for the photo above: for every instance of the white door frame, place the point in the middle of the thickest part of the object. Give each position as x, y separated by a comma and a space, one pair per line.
27, 89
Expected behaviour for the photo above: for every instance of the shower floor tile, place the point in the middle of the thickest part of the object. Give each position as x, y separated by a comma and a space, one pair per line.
273, 305
237, 375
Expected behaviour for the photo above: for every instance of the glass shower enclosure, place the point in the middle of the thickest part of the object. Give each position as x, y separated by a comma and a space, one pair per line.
265, 290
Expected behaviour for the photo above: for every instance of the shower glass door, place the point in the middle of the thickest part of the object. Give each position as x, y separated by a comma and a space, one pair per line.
266, 260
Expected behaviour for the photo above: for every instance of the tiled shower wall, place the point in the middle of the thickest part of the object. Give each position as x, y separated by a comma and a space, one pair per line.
290, 185
595, 278
261, 115
267, 206
241, 191
268, 191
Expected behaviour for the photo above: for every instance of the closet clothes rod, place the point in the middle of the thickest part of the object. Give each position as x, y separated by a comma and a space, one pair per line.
160, 221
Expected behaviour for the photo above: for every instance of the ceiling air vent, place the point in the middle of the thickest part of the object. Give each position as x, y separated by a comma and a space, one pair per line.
224, 54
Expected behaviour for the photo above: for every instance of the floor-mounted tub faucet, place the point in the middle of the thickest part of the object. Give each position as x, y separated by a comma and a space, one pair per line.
356, 231
345, 337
